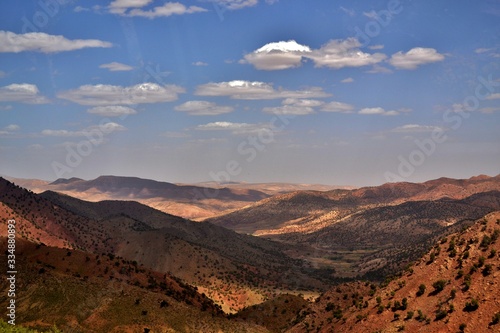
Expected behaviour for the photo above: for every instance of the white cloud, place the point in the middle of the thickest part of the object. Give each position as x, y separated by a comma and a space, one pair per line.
23, 92
337, 107
277, 56
103, 94
12, 127
176, 135
116, 67
103, 128
348, 11
414, 128
79, 9
289, 110
41, 42
335, 54
234, 128
415, 57
347, 80
235, 4
248, 90
112, 110
378, 111
199, 63
203, 108
302, 102
338, 54
134, 8
493, 96
489, 109
483, 50
2, 74
5, 107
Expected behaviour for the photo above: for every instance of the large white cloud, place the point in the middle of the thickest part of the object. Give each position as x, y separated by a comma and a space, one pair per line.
415, 57
203, 108
41, 42
277, 56
103, 94
23, 92
255, 90
335, 54
135, 8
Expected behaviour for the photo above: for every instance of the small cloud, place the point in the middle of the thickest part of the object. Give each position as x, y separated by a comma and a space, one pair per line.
103, 94
79, 9
199, 63
493, 96
35, 146
347, 80
415, 57
23, 93
235, 4
349, 12
105, 128
378, 111
289, 110
337, 107
133, 8
5, 107
12, 127
116, 67
2, 74
112, 110
483, 50
203, 108
234, 128
11, 42
414, 128
302, 102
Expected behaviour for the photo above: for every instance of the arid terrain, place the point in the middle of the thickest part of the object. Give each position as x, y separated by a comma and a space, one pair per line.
341, 260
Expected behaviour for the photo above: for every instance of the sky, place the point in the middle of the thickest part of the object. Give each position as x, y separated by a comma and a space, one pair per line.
303, 91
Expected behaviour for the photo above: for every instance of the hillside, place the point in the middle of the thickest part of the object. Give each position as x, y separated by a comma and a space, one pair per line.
372, 231
188, 201
234, 270
82, 292
455, 287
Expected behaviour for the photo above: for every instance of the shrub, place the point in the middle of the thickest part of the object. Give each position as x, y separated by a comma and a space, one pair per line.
481, 261
493, 252
379, 300
473, 305
440, 314
487, 269
409, 315
462, 327
453, 293
421, 290
460, 273
496, 319
380, 309
439, 285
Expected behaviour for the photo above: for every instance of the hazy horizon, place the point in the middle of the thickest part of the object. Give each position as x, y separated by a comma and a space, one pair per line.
348, 93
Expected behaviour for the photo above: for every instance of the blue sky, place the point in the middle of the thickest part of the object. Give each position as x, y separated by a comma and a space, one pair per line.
334, 92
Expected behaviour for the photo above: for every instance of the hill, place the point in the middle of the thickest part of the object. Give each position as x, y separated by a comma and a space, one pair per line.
82, 292
188, 201
452, 288
233, 269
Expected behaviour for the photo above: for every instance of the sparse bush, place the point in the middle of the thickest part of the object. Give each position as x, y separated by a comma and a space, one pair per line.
487, 269
473, 305
440, 314
496, 319
421, 290
379, 299
481, 261
396, 316
409, 315
460, 273
439, 285
453, 293
462, 327
493, 252
380, 309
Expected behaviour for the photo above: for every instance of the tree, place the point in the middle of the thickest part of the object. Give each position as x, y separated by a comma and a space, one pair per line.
439, 285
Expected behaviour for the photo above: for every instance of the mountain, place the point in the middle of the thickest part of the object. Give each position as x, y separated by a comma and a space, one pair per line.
452, 288
96, 293
233, 269
373, 230
187, 201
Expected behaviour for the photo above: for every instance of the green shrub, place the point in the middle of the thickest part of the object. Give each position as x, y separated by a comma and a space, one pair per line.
439, 285
473, 305
409, 315
496, 319
421, 290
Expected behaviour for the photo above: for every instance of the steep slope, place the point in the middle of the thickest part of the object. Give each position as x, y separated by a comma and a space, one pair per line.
453, 288
82, 292
233, 269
